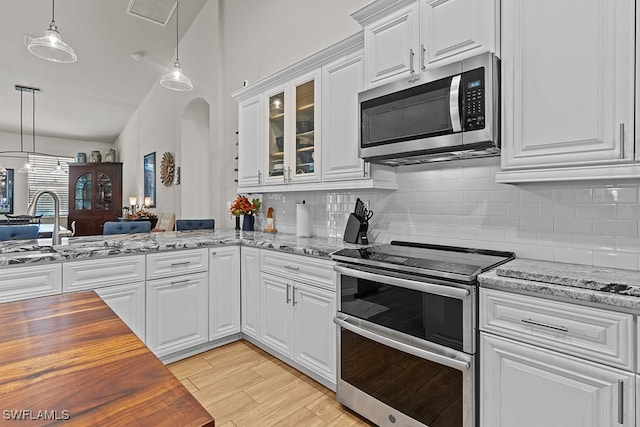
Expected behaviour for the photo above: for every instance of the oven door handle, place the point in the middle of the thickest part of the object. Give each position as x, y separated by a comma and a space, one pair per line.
395, 343
445, 291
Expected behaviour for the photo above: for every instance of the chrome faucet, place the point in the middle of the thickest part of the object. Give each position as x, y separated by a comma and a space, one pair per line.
31, 210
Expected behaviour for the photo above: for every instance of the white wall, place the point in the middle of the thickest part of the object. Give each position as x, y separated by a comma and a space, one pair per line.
157, 125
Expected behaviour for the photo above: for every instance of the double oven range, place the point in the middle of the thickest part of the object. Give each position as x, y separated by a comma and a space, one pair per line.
408, 331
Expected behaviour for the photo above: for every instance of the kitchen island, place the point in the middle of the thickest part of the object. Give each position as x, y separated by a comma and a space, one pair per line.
69, 359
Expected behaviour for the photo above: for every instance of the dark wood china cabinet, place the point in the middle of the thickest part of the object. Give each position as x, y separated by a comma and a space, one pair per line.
95, 195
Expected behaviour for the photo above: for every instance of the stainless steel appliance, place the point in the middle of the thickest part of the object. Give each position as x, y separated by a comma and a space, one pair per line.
447, 113
408, 331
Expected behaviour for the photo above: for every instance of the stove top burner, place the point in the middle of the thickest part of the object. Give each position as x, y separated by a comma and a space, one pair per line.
425, 259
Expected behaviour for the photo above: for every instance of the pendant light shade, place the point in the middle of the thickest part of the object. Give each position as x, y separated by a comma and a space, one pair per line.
50, 46
175, 78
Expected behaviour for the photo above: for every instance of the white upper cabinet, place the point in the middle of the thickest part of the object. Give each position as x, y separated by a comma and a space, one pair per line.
404, 38
296, 134
341, 82
391, 45
568, 89
250, 125
292, 112
455, 28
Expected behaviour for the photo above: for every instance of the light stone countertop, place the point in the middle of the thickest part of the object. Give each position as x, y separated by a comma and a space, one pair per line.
20, 252
600, 285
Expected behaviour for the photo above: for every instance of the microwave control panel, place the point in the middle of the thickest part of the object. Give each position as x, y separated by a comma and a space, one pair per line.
473, 102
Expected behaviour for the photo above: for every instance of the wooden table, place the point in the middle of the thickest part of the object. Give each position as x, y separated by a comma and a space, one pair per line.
70, 359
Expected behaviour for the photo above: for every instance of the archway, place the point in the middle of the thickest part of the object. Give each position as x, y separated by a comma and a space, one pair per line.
195, 161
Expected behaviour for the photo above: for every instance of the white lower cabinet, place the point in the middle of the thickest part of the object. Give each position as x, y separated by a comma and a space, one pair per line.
224, 291
526, 386
249, 288
177, 313
315, 332
128, 302
29, 282
296, 306
554, 363
276, 313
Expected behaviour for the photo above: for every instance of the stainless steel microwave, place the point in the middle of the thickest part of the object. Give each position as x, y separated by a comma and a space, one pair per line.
448, 113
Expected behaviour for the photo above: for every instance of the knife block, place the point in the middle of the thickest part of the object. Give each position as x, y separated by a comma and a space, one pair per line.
356, 231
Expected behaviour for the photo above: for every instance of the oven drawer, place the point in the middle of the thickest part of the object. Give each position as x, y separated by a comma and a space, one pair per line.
592, 333
298, 267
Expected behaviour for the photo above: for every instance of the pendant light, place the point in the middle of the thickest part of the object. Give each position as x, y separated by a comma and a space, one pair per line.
175, 79
27, 166
58, 170
50, 46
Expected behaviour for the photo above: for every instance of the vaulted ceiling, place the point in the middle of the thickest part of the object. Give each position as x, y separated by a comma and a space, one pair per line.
93, 98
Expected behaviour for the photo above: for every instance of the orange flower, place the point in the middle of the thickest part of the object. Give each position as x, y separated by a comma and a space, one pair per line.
242, 206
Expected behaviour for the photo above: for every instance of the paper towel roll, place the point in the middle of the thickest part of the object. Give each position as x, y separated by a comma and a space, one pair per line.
303, 220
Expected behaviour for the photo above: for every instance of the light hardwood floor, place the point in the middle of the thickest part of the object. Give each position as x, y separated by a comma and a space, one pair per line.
241, 385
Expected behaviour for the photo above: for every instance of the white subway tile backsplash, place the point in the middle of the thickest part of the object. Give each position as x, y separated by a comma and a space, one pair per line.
575, 256
615, 260
615, 194
591, 241
573, 225
459, 203
536, 224
601, 211
557, 211
629, 212
523, 209
616, 228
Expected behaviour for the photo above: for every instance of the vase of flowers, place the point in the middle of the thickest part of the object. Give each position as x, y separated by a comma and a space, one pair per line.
249, 209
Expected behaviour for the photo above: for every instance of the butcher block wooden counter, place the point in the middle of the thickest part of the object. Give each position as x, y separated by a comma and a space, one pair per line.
69, 360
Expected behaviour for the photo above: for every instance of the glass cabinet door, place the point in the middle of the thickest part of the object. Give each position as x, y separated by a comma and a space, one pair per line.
305, 130
82, 193
276, 164
104, 192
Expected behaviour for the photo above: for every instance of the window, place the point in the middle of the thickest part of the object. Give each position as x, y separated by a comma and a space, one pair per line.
45, 175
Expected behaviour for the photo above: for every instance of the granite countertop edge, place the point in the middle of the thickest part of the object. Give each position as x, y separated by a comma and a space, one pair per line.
615, 288
29, 252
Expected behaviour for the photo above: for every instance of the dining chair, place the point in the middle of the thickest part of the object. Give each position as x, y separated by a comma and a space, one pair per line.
126, 227
18, 232
195, 224
166, 222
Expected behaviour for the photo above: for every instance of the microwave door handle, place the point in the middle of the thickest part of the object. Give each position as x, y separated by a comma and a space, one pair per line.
459, 365
454, 111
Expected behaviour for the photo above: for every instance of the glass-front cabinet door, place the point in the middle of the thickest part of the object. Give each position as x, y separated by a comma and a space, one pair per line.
276, 135
104, 192
82, 192
292, 131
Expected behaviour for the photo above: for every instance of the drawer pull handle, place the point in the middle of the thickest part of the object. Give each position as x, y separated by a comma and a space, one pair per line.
620, 402
178, 282
177, 264
292, 268
545, 325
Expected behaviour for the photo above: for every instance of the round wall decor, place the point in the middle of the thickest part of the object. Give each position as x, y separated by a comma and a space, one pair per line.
167, 169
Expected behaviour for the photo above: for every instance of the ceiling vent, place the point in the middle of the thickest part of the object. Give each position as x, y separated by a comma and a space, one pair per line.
158, 11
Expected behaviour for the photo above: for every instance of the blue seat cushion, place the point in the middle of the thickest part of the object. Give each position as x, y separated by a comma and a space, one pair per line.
195, 224
18, 232
126, 227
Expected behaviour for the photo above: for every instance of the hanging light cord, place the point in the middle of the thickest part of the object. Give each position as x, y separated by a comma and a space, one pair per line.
33, 93
177, 20
53, 12
21, 138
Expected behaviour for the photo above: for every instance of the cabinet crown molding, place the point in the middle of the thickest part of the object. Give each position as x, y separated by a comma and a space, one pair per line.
345, 46
377, 9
